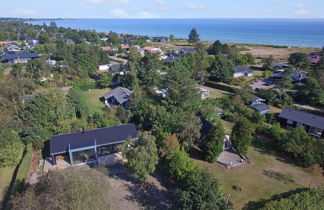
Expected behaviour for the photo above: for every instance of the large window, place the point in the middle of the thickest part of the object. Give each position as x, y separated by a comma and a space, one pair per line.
315, 132
106, 150
83, 156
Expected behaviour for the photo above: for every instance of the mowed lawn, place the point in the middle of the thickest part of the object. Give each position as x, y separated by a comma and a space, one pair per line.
92, 98
5, 179
216, 93
265, 176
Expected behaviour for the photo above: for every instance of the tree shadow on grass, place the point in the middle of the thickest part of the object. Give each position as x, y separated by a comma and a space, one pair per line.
278, 176
148, 195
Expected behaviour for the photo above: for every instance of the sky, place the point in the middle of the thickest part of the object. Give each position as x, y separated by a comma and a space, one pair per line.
163, 9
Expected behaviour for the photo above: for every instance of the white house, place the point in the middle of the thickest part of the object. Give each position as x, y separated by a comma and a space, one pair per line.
242, 71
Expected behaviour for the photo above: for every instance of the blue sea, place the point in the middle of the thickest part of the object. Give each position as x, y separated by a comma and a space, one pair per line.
285, 32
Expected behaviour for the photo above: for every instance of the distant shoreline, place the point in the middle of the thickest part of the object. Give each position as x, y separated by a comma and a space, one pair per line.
266, 32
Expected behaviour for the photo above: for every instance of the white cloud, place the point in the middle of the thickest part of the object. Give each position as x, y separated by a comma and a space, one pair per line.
161, 2
146, 15
108, 1
302, 10
300, 6
119, 13
196, 6
24, 13
269, 12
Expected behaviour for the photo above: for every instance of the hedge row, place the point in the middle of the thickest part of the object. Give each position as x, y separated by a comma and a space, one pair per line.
221, 86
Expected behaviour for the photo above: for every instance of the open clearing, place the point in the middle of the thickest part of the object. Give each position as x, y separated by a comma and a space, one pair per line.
279, 54
216, 93
92, 99
265, 176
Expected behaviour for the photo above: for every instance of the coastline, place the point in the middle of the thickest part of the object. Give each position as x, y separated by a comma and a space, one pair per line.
269, 32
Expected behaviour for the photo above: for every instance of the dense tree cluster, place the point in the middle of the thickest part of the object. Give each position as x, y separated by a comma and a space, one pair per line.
299, 199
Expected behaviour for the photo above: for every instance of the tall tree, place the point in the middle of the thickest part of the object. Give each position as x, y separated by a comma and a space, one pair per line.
222, 68
299, 60
213, 143
189, 130
200, 63
142, 156
172, 37
193, 36
242, 135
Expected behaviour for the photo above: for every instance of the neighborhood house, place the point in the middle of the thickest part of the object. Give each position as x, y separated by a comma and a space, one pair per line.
242, 71
86, 146
313, 124
18, 58
118, 96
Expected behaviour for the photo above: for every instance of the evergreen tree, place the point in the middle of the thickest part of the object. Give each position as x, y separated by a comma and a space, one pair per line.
193, 36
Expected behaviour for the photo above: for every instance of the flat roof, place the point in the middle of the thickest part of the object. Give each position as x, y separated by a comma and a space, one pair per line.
303, 117
102, 136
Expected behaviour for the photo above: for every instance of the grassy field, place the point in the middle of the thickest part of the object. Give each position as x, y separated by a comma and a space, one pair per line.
5, 179
265, 176
228, 126
216, 93
92, 99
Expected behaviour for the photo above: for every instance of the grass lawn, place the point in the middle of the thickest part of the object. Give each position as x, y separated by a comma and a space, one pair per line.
275, 109
5, 179
216, 93
92, 99
228, 126
265, 176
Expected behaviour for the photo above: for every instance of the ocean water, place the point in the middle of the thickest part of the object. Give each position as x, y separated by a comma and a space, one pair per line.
286, 32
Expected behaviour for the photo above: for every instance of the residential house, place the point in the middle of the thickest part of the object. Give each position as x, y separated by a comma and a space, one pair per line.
125, 47
32, 41
106, 48
118, 96
18, 58
296, 76
242, 71
52, 63
261, 108
204, 93
207, 126
313, 124
162, 92
109, 68
314, 59
277, 66
184, 51
68, 41
86, 147
259, 105
172, 59
12, 47
152, 49
160, 39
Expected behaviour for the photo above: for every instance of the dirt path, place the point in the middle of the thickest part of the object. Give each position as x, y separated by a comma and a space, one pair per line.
309, 107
